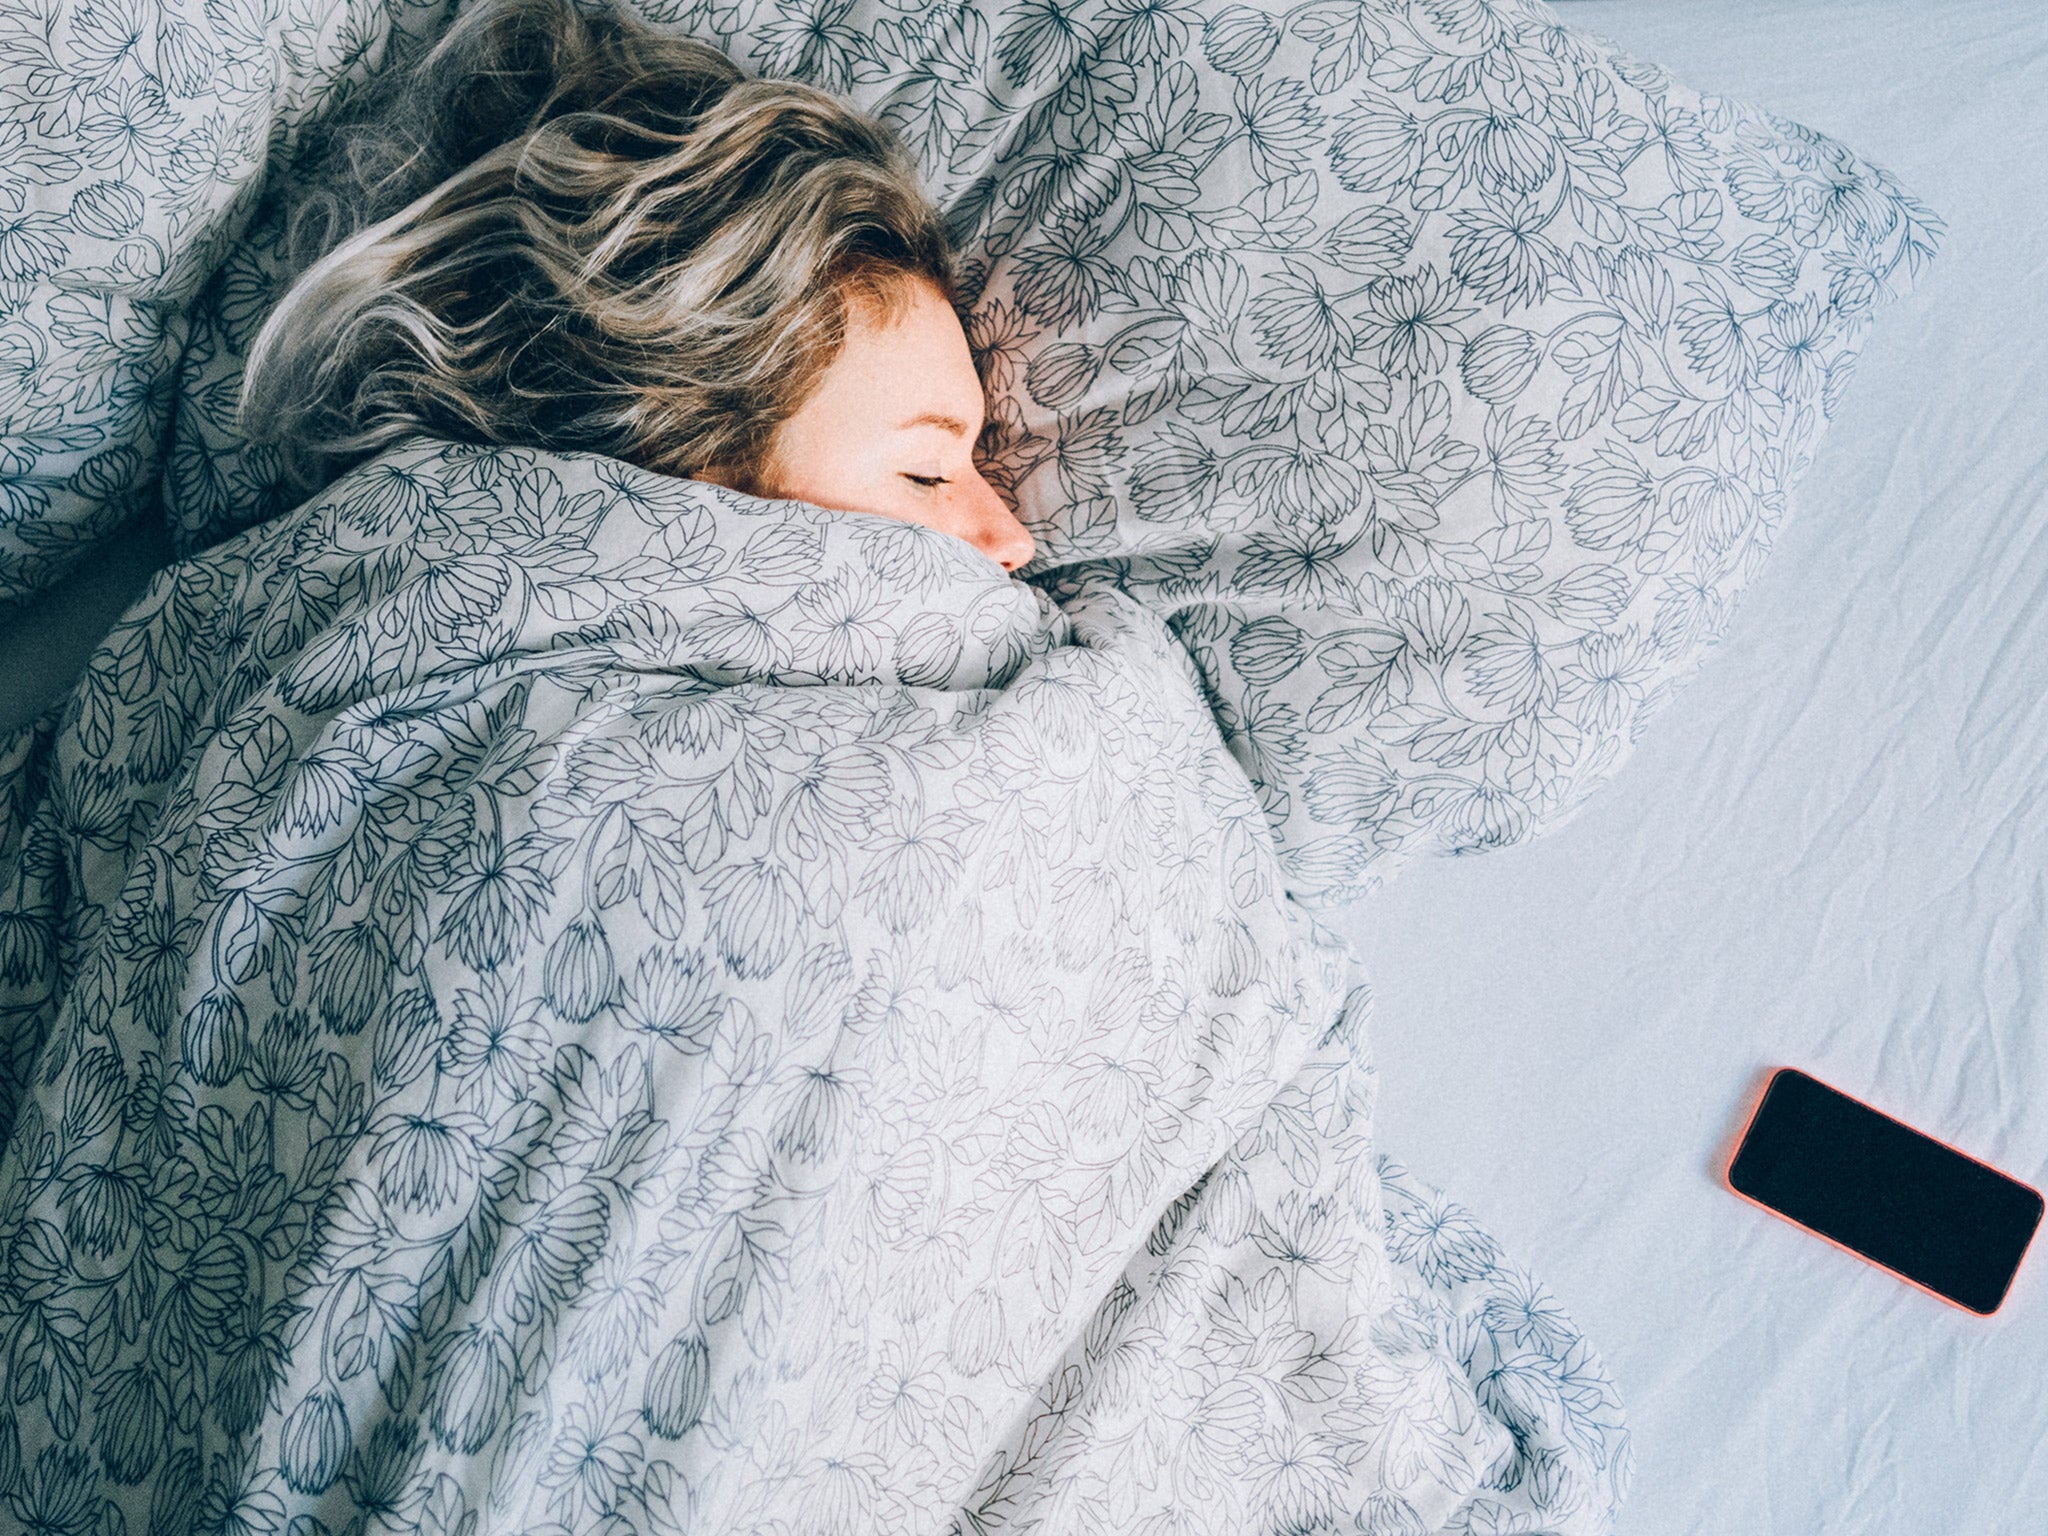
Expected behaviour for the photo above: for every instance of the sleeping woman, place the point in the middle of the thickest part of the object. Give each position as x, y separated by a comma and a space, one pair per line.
582, 235
614, 971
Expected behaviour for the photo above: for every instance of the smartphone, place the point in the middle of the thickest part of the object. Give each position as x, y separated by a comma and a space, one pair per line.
1946, 1223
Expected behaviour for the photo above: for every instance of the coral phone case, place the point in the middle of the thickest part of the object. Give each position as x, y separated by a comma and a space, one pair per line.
1937, 1218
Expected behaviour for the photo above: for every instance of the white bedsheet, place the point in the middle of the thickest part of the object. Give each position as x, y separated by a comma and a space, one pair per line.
1828, 853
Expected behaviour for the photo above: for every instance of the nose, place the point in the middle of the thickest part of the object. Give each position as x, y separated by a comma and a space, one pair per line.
996, 531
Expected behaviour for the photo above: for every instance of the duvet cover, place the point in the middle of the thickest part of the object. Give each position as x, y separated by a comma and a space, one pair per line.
543, 996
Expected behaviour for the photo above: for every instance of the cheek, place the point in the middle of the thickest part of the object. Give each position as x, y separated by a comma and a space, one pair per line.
827, 468
842, 485
916, 507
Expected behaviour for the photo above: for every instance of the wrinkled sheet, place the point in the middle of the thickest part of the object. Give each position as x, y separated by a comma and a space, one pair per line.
544, 991
1829, 854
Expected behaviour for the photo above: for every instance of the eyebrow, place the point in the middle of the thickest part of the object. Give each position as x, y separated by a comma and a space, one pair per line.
952, 424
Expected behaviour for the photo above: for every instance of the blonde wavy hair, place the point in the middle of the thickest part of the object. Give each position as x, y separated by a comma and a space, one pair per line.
561, 229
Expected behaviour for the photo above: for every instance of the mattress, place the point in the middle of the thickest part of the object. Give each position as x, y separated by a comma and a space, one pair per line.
1828, 852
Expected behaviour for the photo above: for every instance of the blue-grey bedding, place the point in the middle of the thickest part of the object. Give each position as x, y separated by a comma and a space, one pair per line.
353, 1120
592, 998
1439, 372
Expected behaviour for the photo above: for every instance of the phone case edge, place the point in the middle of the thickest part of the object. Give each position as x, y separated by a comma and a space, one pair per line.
2040, 1205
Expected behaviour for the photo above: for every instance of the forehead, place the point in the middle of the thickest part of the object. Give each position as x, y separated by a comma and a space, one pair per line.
915, 371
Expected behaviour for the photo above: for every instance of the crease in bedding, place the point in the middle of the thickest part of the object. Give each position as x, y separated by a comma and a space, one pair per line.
551, 993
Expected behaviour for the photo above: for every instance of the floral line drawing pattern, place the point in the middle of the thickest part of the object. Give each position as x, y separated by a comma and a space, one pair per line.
1440, 372
562, 1036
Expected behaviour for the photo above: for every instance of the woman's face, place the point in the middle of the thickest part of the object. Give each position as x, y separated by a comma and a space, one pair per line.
891, 429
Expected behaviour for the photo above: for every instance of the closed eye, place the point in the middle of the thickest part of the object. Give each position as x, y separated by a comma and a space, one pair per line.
927, 481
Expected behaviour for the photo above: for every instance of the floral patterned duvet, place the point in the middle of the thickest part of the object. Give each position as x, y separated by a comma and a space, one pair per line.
542, 996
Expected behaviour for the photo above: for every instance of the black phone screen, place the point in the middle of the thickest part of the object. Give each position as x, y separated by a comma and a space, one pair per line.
1886, 1191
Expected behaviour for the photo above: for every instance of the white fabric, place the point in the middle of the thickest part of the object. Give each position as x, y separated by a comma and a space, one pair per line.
1827, 853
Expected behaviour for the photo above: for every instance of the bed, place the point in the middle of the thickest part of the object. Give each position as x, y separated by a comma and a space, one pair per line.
1828, 855
1814, 858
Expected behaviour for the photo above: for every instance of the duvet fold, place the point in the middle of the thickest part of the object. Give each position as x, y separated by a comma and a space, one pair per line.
542, 996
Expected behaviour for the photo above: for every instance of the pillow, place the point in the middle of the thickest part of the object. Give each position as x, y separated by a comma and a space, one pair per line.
1436, 370
133, 141
1439, 370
